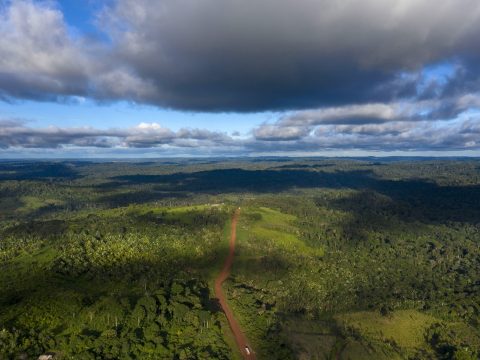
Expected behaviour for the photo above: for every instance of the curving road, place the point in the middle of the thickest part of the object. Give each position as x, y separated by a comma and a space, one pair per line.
240, 338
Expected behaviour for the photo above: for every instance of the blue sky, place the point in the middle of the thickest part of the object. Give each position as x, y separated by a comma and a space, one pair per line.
125, 114
81, 14
239, 78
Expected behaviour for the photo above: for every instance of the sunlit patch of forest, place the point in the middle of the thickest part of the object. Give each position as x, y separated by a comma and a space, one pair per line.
335, 258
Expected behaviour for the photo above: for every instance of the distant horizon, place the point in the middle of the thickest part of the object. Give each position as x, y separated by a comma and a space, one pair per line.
265, 158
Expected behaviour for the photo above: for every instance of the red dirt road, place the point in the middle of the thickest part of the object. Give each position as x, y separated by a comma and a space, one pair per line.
240, 338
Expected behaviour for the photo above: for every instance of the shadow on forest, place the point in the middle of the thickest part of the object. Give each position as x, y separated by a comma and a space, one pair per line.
411, 200
139, 197
122, 278
38, 171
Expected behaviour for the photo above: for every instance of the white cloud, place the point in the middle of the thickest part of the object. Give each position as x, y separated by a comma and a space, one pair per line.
274, 133
38, 58
458, 135
15, 134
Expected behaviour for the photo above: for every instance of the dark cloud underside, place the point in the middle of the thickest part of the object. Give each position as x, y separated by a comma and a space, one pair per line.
242, 55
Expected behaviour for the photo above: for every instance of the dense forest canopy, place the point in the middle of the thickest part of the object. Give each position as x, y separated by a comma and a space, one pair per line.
336, 258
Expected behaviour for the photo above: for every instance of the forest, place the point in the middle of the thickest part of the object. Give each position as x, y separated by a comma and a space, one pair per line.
365, 258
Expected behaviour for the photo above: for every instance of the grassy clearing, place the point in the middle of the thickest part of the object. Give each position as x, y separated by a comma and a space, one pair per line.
173, 213
32, 203
405, 329
276, 232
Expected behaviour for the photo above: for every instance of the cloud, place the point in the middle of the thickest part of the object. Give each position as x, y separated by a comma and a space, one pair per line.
426, 125
15, 134
350, 114
387, 129
243, 55
275, 133
369, 119
38, 58
422, 135
42, 58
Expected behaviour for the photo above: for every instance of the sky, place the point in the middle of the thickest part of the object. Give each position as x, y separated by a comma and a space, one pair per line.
161, 78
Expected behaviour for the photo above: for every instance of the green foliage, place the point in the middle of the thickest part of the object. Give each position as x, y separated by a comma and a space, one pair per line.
119, 325
119, 285
338, 259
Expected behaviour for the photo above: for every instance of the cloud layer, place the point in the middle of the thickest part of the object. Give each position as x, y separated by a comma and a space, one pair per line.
385, 137
243, 55
247, 55
365, 75
16, 134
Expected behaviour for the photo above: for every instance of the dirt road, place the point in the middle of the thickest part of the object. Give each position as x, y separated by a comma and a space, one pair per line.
240, 338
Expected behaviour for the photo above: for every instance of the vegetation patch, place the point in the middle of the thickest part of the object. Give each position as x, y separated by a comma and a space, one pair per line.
335, 259
403, 328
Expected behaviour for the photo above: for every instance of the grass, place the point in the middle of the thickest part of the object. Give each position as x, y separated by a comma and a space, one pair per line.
277, 231
32, 203
181, 212
402, 328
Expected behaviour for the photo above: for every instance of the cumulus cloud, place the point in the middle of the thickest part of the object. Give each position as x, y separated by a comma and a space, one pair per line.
38, 58
243, 55
350, 114
379, 120
395, 136
41, 58
275, 133
15, 134
388, 136
263, 54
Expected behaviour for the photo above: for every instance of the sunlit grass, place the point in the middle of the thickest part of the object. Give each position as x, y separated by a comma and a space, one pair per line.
277, 230
406, 328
